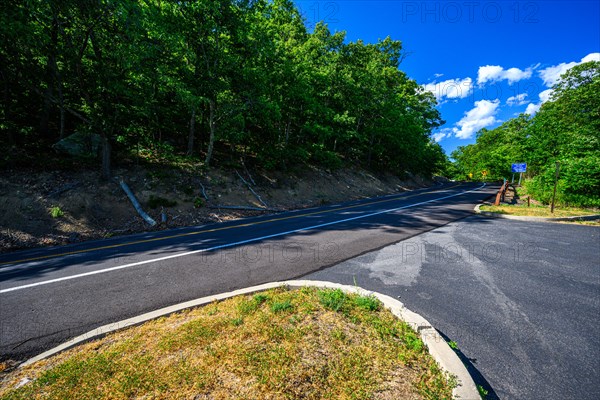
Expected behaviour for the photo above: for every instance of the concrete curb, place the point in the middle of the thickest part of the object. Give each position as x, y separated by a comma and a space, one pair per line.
438, 348
535, 219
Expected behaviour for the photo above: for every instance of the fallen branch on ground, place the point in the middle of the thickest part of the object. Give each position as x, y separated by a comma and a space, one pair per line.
252, 190
203, 191
136, 203
248, 173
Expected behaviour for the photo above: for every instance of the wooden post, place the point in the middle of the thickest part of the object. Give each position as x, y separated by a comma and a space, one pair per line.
500, 194
528, 201
555, 184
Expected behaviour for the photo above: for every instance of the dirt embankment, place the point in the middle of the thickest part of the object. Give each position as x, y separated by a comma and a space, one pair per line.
55, 208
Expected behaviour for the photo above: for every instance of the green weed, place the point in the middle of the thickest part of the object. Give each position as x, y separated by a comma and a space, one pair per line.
56, 212
332, 299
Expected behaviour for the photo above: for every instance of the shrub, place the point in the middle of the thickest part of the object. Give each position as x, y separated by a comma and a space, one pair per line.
56, 212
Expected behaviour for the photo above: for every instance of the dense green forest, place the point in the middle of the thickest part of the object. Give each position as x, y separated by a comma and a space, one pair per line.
565, 130
214, 81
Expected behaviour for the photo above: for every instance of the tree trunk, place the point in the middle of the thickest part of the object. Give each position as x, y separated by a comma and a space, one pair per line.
190, 149
371, 140
7, 110
105, 158
50, 78
287, 132
61, 101
212, 126
45, 114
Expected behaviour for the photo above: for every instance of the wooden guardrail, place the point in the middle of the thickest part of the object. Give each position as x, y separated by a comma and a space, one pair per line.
501, 193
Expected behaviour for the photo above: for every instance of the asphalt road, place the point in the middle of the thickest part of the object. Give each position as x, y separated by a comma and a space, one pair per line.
520, 299
50, 295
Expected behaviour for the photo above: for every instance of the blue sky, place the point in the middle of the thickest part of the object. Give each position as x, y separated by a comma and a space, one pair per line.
486, 61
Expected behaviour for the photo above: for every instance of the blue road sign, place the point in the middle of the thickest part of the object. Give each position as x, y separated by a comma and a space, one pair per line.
519, 167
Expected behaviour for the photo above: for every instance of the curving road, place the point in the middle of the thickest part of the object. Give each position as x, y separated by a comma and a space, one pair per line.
50, 295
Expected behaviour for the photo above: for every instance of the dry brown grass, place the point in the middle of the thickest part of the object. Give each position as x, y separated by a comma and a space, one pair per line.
539, 211
279, 344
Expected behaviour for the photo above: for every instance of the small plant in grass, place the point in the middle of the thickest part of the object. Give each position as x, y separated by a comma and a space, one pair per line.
338, 334
413, 341
249, 306
56, 212
370, 303
332, 299
260, 298
280, 306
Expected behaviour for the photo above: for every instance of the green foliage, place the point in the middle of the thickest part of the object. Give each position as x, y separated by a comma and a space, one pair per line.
370, 303
413, 341
198, 202
260, 298
157, 80
565, 130
56, 212
280, 306
326, 158
332, 299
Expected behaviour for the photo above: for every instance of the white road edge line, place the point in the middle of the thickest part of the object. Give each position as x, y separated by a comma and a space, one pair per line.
101, 271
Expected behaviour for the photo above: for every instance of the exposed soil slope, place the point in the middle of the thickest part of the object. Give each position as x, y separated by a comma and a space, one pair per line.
95, 209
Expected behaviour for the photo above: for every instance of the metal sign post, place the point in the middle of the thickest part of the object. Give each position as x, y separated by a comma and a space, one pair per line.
520, 168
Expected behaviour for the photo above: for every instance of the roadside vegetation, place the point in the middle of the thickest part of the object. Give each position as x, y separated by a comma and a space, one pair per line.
566, 130
276, 344
519, 202
539, 211
215, 83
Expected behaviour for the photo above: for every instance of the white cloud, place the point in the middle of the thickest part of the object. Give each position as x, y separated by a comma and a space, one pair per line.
544, 97
517, 100
438, 75
532, 108
441, 134
495, 73
591, 57
481, 116
450, 89
552, 74
438, 136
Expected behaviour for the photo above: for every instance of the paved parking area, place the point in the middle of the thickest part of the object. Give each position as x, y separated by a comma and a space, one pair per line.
521, 300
